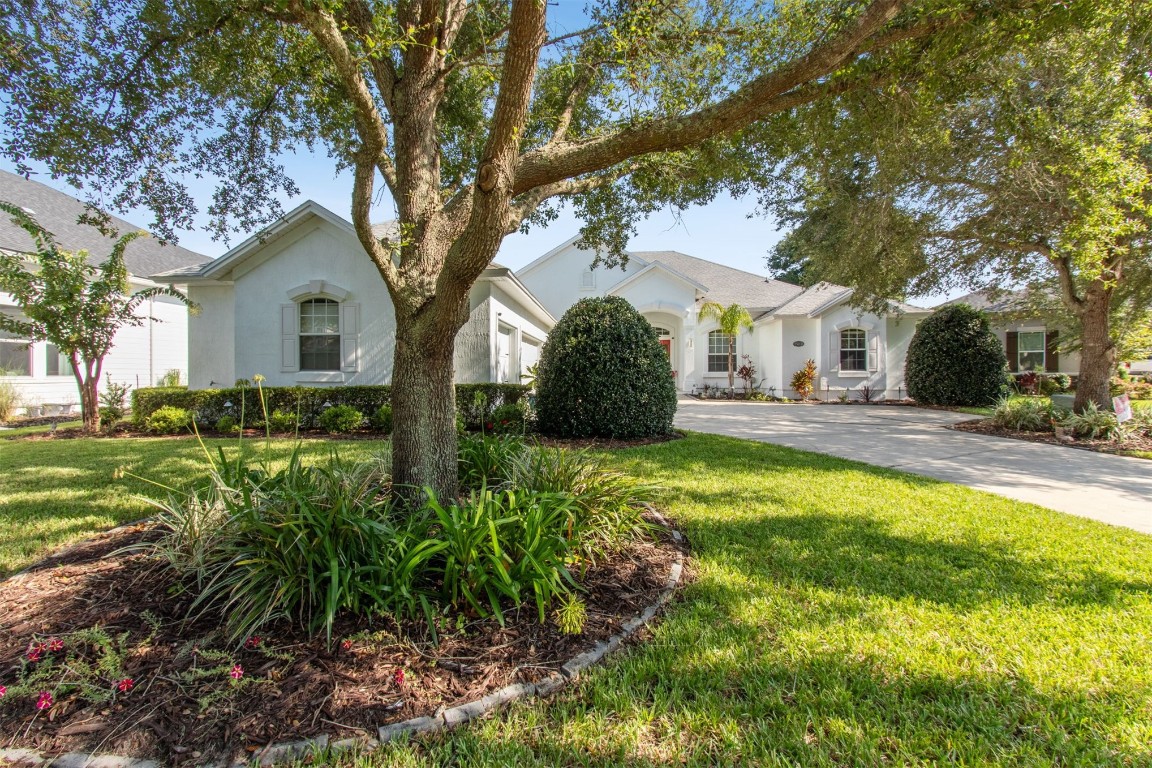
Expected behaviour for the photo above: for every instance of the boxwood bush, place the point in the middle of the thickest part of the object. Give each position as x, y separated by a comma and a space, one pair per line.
603, 373
209, 404
955, 359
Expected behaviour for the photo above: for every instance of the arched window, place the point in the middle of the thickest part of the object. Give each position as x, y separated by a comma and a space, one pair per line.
319, 335
661, 332
719, 347
853, 350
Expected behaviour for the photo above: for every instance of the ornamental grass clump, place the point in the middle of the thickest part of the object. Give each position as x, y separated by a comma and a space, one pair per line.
1024, 414
1093, 423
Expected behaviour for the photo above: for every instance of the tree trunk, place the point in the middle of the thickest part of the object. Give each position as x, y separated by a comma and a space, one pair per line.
731, 366
424, 450
1098, 353
90, 404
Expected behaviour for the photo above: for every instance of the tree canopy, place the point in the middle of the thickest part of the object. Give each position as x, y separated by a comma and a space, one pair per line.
476, 119
1036, 170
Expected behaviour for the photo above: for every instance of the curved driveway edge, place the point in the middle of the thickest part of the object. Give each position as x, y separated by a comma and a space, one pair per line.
1104, 487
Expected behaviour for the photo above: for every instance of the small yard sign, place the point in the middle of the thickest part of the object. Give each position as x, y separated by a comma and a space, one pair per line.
1123, 408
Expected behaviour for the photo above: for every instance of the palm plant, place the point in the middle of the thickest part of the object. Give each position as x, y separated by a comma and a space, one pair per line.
731, 320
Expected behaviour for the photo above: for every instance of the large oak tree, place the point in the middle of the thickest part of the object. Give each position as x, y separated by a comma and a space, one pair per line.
1034, 171
474, 121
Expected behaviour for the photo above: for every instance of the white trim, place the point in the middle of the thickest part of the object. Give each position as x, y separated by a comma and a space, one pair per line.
319, 288
845, 325
541, 259
320, 377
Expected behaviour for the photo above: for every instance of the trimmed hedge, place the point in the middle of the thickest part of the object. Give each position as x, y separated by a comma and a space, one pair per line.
954, 358
208, 404
603, 373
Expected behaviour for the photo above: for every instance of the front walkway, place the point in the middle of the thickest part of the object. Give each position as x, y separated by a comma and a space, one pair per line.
1113, 489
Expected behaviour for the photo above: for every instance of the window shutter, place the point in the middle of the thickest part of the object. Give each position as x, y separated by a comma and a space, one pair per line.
289, 338
873, 351
834, 351
350, 336
1012, 347
1051, 353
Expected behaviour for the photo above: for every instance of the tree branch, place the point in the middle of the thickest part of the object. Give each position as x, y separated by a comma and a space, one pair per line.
369, 123
772, 92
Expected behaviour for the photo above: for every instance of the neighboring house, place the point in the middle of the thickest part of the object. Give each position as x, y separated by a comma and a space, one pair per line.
141, 355
792, 324
1029, 344
301, 303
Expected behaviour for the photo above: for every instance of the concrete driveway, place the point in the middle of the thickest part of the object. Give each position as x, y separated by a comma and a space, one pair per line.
1113, 489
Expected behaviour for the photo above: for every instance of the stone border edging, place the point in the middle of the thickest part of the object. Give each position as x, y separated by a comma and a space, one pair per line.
444, 720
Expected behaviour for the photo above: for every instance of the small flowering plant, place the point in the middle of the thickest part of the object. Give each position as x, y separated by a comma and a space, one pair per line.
87, 665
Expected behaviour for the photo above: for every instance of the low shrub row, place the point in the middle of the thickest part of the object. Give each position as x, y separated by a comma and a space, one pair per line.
305, 543
1039, 415
476, 403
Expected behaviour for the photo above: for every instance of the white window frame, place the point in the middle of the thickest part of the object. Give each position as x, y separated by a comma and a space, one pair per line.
349, 323
332, 311
856, 334
727, 340
1021, 351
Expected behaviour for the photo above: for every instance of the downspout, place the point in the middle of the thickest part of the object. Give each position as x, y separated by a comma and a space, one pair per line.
151, 349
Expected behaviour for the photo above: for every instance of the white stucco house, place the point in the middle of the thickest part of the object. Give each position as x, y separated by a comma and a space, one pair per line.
1030, 344
792, 324
300, 303
140, 355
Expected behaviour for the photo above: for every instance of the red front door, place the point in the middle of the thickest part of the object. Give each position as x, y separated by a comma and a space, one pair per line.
667, 344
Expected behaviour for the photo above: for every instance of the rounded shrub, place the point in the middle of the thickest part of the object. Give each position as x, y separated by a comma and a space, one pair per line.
382, 419
603, 373
227, 425
341, 419
955, 359
169, 420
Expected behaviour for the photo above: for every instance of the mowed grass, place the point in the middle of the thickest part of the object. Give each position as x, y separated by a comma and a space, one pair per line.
838, 614
54, 492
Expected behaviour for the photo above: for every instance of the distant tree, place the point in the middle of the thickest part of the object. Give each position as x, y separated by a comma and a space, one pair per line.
72, 304
1036, 169
730, 321
787, 261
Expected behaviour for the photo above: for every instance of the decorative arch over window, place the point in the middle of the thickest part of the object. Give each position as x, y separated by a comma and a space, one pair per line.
320, 330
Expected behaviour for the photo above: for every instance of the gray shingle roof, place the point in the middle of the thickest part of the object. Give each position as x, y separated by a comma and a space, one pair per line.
981, 300
58, 212
726, 285
812, 299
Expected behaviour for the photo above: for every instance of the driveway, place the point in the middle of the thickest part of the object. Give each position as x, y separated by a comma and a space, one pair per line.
1112, 489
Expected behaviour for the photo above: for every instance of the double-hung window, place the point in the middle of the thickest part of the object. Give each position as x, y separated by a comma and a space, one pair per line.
1030, 350
853, 350
319, 335
718, 350
15, 353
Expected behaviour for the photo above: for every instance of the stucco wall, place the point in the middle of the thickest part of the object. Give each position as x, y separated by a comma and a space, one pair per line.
262, 284
211, 337
557, 282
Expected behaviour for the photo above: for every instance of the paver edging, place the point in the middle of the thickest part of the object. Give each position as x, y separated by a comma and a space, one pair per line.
449, 718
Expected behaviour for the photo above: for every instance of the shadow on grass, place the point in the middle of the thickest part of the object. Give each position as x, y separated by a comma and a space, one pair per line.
859, 555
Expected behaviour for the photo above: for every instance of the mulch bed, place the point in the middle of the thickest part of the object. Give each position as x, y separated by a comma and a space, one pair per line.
986, 427
185, 706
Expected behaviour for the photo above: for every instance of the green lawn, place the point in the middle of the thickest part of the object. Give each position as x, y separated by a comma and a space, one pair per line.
838, 614
53, 492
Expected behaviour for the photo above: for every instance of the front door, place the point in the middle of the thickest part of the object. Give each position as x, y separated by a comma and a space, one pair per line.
667, 344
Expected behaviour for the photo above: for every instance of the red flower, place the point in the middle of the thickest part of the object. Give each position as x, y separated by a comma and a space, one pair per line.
398, 678
346, 645
237, 672
3, 690
125, 685
253, 642
35, 652
45, 700
55, 644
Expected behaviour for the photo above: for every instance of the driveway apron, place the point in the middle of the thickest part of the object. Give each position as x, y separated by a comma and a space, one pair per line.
1112, 489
